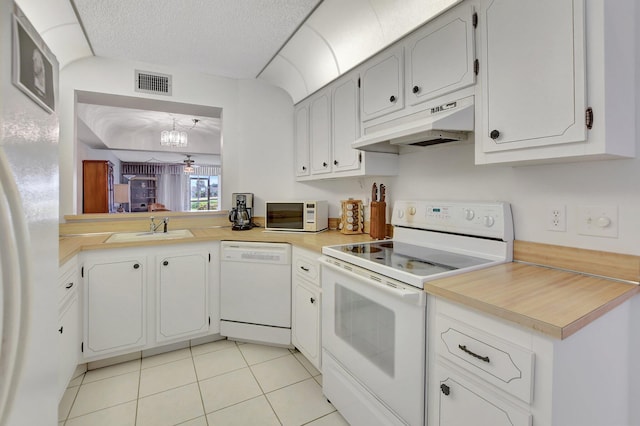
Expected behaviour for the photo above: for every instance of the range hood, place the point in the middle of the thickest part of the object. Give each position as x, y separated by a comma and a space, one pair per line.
448, 122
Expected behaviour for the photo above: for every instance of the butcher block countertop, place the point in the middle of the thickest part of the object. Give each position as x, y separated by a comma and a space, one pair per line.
555, 302
552, 289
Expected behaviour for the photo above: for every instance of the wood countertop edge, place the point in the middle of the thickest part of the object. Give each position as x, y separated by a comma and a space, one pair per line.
585, 320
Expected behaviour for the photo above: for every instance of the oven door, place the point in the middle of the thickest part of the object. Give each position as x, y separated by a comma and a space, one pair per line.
375, 329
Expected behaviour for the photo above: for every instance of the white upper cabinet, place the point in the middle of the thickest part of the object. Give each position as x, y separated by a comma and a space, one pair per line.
543, 76
320, 133
302, 140
534, 73
439, 58
345, 123
327, 124
382, 89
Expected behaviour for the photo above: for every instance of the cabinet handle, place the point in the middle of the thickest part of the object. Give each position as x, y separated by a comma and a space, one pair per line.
304, 268
136, 265
495, 134
335, 162
445, 389
304, 168
415, 89
463, 348
60, 329
312, 300
392, 98
165, 263
68, 286
324, 164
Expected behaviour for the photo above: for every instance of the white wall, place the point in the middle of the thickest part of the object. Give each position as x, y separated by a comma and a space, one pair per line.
117, 77
257, 132
448, 172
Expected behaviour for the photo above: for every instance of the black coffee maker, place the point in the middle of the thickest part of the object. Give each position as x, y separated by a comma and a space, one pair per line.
240, 215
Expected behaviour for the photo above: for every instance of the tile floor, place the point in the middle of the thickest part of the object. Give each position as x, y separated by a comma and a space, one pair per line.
218, 383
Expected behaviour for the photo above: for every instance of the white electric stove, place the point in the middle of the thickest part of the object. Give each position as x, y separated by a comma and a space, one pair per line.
374, 306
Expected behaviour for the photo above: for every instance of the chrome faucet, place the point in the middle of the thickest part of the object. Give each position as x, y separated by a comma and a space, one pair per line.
153, 227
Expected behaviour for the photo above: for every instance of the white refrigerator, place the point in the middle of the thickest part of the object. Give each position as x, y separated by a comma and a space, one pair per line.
28, 241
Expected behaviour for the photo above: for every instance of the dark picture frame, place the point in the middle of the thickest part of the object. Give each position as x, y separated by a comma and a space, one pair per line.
33, 65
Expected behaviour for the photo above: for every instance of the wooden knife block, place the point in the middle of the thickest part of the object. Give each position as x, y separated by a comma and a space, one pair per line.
378, 220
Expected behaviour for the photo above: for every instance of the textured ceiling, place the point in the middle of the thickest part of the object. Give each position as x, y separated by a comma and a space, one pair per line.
232, 38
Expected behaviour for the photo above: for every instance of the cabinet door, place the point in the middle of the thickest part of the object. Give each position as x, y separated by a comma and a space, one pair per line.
182, 295
382, 91
345, 124
533, 91
115, 306
305, 326
439, 58
320, 133
302, 140
68, 342
462, 404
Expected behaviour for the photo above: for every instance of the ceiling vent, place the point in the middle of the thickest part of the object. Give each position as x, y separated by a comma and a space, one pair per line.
153, 83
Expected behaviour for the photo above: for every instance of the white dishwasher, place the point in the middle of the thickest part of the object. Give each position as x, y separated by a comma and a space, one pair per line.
255, 292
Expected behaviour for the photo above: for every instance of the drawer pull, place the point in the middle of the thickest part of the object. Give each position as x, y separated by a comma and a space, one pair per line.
60, 329
68, 286
304, 268
445, 389
463, 348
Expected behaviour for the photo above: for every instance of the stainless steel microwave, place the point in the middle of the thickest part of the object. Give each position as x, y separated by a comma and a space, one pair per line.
304, 216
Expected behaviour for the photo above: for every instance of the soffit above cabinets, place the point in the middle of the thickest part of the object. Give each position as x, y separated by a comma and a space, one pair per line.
340, 35
298, 45
58, 26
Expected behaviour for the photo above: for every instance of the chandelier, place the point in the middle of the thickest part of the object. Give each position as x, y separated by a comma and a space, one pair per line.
175, 138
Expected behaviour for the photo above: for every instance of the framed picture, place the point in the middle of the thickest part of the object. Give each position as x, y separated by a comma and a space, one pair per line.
33, 65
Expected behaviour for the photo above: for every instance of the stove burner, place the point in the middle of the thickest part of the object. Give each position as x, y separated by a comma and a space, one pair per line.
386, 245
362, 248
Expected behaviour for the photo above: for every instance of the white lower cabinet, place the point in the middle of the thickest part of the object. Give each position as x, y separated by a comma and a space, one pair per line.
462, 403
68, 323
141, 298
182, 295
306, 320
305, 307
115, 296
486, 371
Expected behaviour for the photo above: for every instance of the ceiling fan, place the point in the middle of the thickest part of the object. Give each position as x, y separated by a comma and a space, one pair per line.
188, 165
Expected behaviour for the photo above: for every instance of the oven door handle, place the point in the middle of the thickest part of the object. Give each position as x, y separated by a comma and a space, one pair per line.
416, 297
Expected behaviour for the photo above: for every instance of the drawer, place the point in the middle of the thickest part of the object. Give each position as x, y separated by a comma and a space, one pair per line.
67, 280
306, 265
497, 361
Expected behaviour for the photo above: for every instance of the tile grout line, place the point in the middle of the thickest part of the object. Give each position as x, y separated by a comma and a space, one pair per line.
135, 418
261, 389
204, 410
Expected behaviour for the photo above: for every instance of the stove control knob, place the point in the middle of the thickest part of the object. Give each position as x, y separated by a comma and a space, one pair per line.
412, 211
400, 214
489, 221
469, 214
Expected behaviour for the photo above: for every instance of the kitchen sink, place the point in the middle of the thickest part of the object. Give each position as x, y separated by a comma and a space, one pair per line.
127, 237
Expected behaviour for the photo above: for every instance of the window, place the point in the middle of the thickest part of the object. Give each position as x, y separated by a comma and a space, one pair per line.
204, 193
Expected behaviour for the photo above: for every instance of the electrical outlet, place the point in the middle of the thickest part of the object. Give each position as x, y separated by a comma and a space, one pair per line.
599, 221
557, 218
